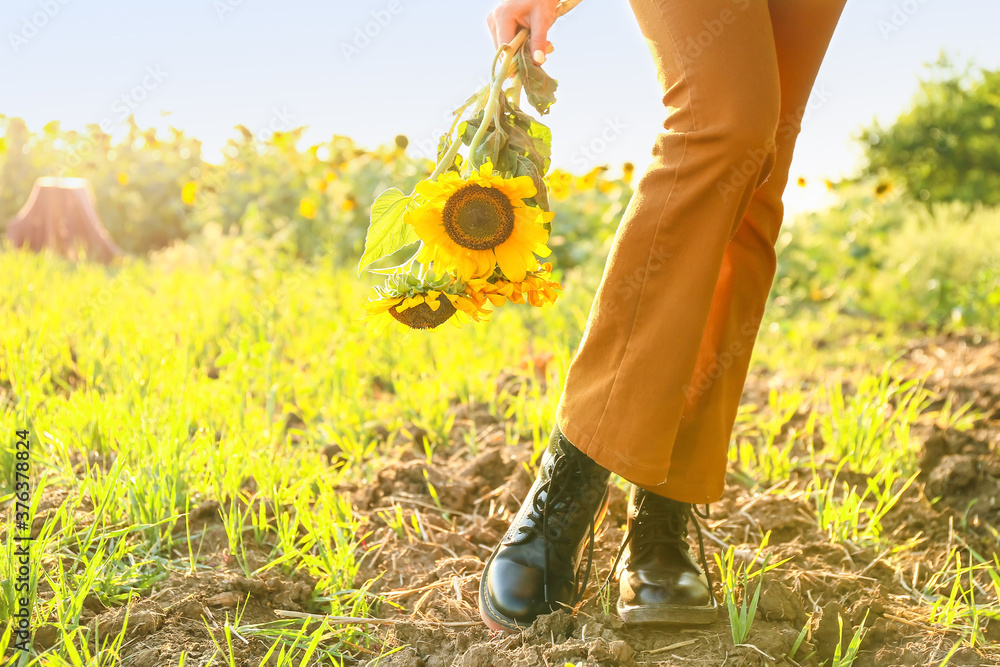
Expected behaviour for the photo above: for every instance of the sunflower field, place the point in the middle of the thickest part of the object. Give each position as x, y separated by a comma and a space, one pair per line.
154, 190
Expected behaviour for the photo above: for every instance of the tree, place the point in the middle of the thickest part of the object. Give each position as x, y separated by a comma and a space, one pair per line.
946, 147
60, 215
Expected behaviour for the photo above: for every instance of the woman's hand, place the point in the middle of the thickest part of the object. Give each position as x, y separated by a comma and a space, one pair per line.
535, 15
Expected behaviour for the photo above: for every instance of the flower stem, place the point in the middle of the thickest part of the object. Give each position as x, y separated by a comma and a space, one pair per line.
448, 159
515, 90
455, 144
508, 51
494, 96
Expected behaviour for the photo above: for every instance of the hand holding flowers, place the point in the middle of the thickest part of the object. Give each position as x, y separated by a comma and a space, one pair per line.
481, 220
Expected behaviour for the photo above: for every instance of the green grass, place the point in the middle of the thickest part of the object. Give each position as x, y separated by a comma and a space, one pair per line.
736, 586
112, 370
846, 658
153, 388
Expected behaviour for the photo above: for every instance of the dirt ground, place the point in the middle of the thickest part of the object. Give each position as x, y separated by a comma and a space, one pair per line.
431, 575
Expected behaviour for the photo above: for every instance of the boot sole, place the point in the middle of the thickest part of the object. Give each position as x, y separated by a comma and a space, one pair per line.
495, 620
667, 614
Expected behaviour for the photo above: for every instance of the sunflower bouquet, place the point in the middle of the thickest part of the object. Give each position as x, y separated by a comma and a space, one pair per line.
482, 219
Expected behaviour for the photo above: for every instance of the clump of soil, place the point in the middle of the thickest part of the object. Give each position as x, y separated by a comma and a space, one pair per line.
964, 472
966, 367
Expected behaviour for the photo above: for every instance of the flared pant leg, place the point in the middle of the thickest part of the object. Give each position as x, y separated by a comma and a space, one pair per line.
653, 390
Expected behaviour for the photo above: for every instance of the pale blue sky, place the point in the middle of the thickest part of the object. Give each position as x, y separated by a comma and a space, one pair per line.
216, 63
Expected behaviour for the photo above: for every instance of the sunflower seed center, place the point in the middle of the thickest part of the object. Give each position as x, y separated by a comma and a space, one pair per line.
422, 317
478, 218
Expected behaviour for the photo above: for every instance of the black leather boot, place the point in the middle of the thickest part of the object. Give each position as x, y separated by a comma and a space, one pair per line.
536, 567
659, 580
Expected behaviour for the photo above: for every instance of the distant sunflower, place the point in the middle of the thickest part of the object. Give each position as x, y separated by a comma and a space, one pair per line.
560, 183
628, 169
469, 226
588, 181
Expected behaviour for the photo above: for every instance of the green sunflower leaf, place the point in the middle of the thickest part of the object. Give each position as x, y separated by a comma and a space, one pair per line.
443, 144
467, 129
526, 167
542, 136
393, 270
494, 145
387, 232
539, 87
531, 138
493, 149
478, 98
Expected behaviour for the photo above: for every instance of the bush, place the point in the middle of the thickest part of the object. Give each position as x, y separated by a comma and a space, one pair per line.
940, 267
888, 257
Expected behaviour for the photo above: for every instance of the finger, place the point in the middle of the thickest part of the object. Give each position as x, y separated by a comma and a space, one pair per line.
541, 21
491, 22
506, 28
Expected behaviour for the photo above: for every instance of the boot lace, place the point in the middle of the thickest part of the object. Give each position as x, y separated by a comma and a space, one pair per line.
565, 490
661, 523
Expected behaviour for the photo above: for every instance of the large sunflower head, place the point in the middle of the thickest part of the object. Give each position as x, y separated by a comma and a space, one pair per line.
471, 226
421, 303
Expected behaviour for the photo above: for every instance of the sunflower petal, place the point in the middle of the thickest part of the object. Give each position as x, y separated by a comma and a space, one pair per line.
522, 187
511, 262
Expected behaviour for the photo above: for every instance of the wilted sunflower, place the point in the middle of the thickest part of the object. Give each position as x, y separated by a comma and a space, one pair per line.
537, 289
421, 307
469, 226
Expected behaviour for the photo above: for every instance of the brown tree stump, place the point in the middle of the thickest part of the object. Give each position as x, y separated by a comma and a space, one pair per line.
60, 215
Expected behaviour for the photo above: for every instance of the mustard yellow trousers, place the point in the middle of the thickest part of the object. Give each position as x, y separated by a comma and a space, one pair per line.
653, 390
